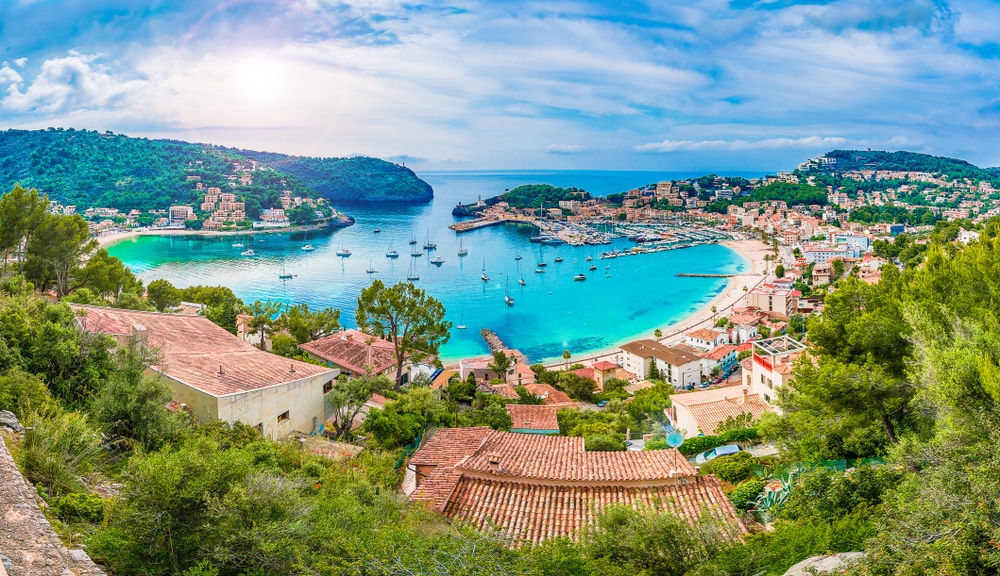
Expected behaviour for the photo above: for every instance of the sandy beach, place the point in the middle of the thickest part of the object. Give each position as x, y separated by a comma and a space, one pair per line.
753, 250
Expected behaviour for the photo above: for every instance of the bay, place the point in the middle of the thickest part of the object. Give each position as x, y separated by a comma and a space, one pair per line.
631, 297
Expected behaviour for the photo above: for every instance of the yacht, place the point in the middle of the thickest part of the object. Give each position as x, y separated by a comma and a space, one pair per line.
539, 271
371, 270
412, 276
249, 252
461, 250
559, 259
413, 239
391, 253
237, 244
522, 282
580, 277
506, 295
416, 254
343, 252
428, 245
483, 275
589, 258
517, 255
437, 261
593, 267
542, 264
308, 248
461, 324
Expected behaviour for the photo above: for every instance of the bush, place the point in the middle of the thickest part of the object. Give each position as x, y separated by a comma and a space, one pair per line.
57, 450
745, 494
604, 443
658, 444
22, 393
79, 506
699, 444
734, 468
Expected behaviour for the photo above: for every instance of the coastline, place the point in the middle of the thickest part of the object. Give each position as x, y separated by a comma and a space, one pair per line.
108, 240
753, 251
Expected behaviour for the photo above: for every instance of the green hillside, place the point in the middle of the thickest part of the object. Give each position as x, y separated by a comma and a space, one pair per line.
908, 161
89, 168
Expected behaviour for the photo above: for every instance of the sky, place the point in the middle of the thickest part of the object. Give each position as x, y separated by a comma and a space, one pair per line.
516, 84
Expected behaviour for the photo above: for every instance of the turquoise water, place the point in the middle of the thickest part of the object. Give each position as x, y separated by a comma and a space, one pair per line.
551, 313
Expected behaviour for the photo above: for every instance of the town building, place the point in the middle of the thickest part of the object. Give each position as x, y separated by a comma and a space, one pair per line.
678, 366
694, 413
773, 362
531, 488
774, 300
534, 418
179, 214
355, 353
705, 338
216, 376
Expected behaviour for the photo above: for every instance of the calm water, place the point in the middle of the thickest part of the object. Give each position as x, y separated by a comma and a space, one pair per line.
551, 313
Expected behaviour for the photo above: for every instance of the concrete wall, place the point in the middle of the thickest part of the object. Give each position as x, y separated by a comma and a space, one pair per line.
302, 399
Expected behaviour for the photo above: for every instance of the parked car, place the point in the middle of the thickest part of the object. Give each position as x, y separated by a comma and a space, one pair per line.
716, 452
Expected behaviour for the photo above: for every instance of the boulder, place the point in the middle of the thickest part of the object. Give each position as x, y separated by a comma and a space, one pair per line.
833, 563
9, 421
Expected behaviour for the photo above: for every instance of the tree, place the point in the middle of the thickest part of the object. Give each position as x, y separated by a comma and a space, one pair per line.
566, 356
132, 405
105, 275
657, 333
22, 212
837, 268
305, 325
348, 398
263, 317
577, 386
500, 364
162, 294
779, 271
57, 246
406, 316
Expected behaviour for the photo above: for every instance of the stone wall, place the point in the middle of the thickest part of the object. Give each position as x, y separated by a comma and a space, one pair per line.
27, 541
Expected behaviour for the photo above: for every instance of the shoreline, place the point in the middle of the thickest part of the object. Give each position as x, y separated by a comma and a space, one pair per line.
108, 240
752, 251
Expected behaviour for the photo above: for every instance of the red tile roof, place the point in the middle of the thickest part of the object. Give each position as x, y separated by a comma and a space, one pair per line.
532, 487
550, 395
705, 334
193, 349
709, 408
605, 365
534, 417
354, 350
720, 352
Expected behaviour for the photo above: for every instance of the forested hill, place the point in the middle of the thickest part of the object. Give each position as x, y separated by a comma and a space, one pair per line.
89, 168
355, 179
908, 162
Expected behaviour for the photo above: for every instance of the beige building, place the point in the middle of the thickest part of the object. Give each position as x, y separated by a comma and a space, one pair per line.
677, 365
217, 376
772, 299
773, 362
694, 413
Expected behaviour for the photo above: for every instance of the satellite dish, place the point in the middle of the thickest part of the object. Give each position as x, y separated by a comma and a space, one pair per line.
675, 440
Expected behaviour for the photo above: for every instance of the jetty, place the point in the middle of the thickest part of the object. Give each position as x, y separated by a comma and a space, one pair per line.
477, 223
688, 275
492, 340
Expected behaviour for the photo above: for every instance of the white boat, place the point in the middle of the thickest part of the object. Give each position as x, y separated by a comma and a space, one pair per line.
589, 258
391, 253
483, 275
437, 261
522, 282
371, 270
580, 277
461, 251
308, 248
249, 252
461, 323
539, 271
517, 255
343, 252
428, 245
237, 245
506, 296
411, 276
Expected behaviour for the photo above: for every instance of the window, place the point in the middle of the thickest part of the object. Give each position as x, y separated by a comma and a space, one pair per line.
283, 417
328, 387
761, 378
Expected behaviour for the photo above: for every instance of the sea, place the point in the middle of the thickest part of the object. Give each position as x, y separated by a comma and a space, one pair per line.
623, 299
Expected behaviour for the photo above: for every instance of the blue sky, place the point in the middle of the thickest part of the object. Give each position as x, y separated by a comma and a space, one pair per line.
712, 85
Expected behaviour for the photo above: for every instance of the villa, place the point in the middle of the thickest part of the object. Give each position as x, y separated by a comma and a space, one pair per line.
355, 353
677, 365
702, 412
773, 361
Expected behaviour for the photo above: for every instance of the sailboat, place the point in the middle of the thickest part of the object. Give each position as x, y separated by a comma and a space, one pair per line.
461, 323
541, 258
461, 251
413, 239
506, 295
343, 252
371, 270
391, 253
284, 275
428, 245
522, 282
411, 275
483, 275
517, 255
558, 257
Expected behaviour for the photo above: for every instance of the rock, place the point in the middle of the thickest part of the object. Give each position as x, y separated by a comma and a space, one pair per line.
7, 564
834, 563
9, 421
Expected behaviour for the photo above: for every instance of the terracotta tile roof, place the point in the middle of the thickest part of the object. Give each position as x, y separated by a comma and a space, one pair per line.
633, 388
709, 408
193, 348
720, 352
548, 486
550, 395
534, 417
674, 355
506, 390
354, 350
587, 373
532, 513
704, 334
605, 365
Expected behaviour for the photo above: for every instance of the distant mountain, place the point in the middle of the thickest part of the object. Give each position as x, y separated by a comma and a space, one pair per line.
845, 160
88, 168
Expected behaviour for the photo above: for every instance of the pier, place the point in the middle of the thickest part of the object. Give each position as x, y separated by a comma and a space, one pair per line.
492, 340
469, 225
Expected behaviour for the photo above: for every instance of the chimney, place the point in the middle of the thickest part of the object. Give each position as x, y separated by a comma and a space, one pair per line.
746, 391
291, 368
494, 460
221, 371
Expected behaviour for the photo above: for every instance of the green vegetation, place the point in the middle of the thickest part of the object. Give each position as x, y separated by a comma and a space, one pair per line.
902, 161
788, 193
86, 168
533, 196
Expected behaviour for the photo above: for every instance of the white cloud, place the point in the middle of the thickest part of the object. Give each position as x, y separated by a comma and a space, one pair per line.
566, 149
809, 142
75, 82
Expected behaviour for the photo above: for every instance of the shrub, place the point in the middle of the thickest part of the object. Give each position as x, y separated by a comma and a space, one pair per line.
699, 444
744, 495
23, 393
603, 443
734, 468
57, 450
79, 506
658, 444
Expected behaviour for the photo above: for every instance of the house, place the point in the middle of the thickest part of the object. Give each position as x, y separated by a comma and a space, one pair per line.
773, 362
822, 274
677, 365
722, 356
774, 299
544, 392
355, 353
701, 412
705, 338
518, 373
534, 419
216, 376
530, 488
599, 372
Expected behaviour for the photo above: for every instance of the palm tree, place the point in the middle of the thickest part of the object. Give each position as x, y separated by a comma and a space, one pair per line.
566, 356
657, 333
